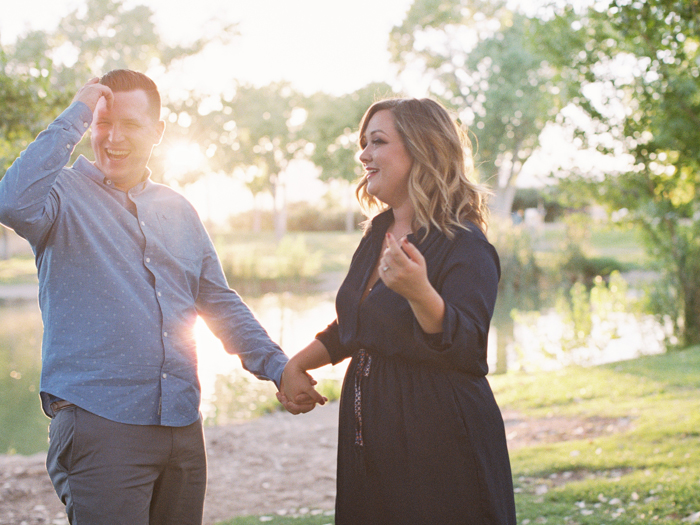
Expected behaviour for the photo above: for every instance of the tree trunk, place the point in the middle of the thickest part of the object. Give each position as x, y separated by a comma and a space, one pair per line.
279, 209
691, 314
502, 203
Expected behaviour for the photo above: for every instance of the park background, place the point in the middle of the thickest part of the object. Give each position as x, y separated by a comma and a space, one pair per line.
585, 121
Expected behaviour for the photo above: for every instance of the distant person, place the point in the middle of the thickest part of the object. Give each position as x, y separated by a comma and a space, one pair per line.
125, 267
421, 438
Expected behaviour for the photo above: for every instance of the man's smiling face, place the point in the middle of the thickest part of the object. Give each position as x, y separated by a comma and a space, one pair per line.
123, 137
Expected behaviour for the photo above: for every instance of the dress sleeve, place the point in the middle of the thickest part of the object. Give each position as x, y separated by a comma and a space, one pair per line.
27, 204
232, 321
468, 284
330, 337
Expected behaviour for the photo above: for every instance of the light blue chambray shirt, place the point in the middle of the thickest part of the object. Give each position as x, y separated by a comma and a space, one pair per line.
122, 278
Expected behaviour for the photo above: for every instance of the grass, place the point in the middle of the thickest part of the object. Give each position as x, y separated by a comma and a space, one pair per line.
334, 248
624, 245
647, 474
18, 270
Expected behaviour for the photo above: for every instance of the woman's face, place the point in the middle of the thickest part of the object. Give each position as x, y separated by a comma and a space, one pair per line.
386, 160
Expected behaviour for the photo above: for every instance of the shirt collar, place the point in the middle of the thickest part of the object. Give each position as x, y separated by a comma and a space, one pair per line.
88, 168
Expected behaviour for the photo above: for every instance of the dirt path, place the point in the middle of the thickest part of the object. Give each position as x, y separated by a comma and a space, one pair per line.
275, 464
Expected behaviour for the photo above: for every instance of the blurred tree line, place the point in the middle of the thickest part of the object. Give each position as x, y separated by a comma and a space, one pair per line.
619, 77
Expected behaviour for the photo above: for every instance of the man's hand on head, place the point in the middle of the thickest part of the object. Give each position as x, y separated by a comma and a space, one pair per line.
91, 93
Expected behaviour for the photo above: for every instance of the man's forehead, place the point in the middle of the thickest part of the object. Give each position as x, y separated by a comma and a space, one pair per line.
130, 102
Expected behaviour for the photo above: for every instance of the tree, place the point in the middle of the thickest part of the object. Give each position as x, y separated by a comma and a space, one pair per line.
257, 130
332, 127
485, 61
43, 70
635, 68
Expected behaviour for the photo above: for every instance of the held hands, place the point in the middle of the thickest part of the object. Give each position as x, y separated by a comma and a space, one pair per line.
91, 93
297, 393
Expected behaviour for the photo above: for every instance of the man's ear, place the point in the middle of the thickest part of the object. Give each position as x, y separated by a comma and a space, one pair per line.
160, 130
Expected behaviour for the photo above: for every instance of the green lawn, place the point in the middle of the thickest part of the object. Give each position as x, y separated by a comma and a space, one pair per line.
18, 270
649, 473
333, 248
646, 474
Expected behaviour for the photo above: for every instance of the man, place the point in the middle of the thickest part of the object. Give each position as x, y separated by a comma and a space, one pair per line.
125, 267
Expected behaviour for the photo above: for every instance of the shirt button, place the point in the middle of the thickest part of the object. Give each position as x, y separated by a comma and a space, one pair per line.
165, 376
159, 294
165, 334
67, 146
148, 259
108, 182
85, 124
143, 223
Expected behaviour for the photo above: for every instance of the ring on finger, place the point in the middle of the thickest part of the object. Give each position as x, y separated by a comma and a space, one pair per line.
385, 269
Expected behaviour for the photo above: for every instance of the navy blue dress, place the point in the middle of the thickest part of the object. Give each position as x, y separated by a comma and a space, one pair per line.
421, 438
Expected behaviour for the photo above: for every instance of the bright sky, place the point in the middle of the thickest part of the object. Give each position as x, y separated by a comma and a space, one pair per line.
335, 46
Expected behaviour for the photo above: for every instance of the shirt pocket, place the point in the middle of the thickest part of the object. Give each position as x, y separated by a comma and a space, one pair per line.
180, 235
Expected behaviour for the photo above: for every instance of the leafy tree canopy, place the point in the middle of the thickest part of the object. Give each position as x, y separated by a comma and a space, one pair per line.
635, 69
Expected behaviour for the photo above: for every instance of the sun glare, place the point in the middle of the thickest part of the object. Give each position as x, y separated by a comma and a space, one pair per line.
184, 157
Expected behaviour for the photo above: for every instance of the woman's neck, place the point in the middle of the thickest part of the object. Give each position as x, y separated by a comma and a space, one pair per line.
403, 221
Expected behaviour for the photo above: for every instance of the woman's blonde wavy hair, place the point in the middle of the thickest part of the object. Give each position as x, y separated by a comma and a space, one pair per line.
440, 183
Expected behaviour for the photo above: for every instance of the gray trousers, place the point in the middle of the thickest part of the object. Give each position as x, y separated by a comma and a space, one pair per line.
113, 473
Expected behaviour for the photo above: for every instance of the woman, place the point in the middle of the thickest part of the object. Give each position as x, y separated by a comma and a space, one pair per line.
421, 438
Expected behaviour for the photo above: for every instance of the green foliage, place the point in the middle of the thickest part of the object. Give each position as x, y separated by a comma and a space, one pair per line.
520, 274
290, 266
305, 217
18, 270
576, 265
28, 104
332, 125
241, 397
23, 428
485, 61
650, 112
42, 70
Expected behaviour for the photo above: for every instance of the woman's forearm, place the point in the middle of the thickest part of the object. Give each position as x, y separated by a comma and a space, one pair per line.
313, 356
429, 309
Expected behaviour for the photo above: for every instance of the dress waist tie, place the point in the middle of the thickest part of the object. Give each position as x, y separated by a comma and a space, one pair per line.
364, 361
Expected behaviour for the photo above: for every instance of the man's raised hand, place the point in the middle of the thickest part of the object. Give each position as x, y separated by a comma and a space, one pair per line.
91, 93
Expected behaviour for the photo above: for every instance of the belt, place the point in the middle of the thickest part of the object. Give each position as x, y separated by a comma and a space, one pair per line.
56, 406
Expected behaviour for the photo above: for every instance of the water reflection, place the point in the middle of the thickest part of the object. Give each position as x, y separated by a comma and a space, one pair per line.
535, 340
228, 392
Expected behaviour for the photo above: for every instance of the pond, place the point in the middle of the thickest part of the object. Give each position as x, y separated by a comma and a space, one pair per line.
531, 341
228, 392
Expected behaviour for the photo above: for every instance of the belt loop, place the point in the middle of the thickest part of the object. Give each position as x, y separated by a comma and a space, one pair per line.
59, 405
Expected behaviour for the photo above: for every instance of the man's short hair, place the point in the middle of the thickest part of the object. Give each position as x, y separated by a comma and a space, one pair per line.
119, 80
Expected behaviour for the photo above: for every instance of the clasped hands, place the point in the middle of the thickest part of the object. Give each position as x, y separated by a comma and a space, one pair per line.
297, 393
